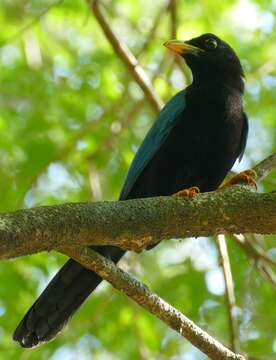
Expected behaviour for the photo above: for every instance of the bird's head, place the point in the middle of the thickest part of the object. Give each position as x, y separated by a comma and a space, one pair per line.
210, 59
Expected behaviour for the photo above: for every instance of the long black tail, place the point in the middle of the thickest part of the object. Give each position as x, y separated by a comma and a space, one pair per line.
59, 301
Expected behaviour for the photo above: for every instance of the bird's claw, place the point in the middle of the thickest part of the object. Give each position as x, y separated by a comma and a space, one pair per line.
190, 192
245, 177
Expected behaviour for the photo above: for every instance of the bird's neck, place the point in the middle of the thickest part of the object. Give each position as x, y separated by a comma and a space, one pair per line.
217, 84
219, 87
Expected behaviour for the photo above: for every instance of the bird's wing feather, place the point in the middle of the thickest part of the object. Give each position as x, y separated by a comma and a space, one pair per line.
156, 136
243, 137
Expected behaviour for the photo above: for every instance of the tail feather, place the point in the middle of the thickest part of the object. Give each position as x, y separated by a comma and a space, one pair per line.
59, 301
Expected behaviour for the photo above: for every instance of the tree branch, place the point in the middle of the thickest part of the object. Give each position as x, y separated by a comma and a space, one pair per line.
127, 57
262, 262
229, 290
264, 168
151, 302
135, 224
151, 34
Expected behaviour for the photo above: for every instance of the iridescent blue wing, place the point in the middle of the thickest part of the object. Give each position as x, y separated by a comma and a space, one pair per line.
156, 136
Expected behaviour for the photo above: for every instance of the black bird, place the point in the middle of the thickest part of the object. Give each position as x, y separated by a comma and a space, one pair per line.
195, 141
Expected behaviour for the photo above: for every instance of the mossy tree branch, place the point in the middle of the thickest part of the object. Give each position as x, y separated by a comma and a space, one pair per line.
135, 224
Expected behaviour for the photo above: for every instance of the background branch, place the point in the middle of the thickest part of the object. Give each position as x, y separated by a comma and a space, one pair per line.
229, 290
264, 168
150, 301
262, 262
127, 57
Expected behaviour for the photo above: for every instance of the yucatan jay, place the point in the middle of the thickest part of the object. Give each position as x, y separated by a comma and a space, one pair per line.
193, 143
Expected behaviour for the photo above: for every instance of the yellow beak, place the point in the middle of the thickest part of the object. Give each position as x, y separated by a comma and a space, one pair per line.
181, 47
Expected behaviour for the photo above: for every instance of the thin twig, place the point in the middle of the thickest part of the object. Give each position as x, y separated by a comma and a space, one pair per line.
151, 302
127, 57
261, 261
229, 290
173, 15
177, 59
264, 168
151, 34
255, 242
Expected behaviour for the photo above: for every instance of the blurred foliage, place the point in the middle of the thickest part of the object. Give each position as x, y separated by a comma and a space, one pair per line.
71, 118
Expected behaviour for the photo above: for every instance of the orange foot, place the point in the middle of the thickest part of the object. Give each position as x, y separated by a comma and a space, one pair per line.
245, 177
190, 192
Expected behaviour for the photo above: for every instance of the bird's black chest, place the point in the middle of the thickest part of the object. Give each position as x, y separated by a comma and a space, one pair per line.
200, 149
211, 126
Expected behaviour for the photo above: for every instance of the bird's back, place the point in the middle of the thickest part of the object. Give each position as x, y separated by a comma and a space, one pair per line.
200, 149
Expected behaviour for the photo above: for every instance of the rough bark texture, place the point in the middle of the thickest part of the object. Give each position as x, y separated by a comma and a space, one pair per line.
135, 224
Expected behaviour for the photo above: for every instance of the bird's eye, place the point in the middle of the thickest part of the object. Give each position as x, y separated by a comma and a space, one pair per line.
211, 44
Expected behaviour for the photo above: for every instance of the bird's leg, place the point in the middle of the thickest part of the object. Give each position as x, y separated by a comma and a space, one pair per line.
245, 177
190, 192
